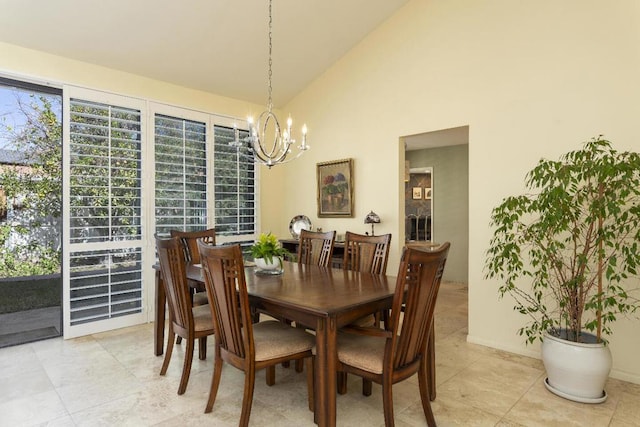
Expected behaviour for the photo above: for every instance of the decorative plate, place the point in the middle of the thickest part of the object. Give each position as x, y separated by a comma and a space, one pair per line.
298, 223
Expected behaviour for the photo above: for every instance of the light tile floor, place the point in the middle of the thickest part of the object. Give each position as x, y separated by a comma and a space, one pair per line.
111, 379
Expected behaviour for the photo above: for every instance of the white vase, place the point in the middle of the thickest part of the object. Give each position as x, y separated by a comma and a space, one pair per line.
272, 267
576, 371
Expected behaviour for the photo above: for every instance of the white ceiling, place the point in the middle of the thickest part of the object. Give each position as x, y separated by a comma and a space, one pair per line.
219, 46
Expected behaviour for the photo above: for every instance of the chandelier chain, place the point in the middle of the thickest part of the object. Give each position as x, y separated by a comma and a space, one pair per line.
270, 60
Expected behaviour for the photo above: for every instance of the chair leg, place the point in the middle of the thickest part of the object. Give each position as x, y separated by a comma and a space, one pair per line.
424, 383
270, 375
202, 348
387, 403
247, 399
215, 381
186, 369
366, 387
299, 365
342, 382
167, 355
431, 359
310, 383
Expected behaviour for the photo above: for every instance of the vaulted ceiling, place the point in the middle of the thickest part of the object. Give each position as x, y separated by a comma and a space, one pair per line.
219, 46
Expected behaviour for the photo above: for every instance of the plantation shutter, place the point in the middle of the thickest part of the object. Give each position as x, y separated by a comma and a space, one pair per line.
104, 201
235, 189
180, 174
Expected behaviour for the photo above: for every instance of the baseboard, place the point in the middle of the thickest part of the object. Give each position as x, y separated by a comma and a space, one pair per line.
615, 373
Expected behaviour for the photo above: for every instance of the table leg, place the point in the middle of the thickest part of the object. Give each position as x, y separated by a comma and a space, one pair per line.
326, 342
158, 324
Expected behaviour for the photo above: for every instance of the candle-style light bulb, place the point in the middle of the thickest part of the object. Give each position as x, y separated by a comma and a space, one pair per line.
304, 145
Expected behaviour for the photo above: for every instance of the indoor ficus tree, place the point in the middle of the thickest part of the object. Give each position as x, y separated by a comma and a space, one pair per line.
568, 251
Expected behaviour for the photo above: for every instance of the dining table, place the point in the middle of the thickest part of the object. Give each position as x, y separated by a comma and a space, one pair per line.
320, 298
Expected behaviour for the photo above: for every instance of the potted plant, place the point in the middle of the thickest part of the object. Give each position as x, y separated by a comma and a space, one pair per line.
267, 253
567, 252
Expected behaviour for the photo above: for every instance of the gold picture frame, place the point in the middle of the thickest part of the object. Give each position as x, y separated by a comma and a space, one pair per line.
335, 188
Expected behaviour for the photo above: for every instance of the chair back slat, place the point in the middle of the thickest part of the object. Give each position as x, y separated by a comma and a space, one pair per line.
418, 282
316, 248
225, 282
189, 241
174, 275
366, 253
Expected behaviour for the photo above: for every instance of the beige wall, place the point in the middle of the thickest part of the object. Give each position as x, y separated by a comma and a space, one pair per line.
23, 64
531, 79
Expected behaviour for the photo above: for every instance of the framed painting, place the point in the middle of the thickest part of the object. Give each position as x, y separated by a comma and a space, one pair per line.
335, 188
427, 193
417, 193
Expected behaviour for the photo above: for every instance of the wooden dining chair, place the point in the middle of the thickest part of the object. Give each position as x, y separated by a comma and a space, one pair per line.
191, 255
397, 353
316, 248
185, 320
189, 243
242, 344
366, 253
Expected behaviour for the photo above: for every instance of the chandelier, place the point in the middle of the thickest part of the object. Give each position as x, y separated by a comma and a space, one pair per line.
277, 151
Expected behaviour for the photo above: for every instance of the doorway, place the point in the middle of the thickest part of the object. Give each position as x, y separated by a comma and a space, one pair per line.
30, 212
446, 155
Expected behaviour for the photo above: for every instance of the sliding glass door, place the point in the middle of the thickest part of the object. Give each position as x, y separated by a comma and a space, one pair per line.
30, 212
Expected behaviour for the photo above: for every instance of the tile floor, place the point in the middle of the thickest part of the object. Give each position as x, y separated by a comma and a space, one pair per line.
111, 379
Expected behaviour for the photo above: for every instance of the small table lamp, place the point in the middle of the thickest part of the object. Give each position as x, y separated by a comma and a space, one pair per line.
372, 218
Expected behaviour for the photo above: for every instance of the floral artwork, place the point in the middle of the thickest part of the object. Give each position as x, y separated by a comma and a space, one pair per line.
335, 188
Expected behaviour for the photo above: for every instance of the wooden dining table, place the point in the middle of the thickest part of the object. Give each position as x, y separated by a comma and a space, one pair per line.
321, 298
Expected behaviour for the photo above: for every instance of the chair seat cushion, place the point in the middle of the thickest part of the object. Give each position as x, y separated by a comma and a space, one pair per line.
274, 339
366, 322
202, 318
200, 298
361, 351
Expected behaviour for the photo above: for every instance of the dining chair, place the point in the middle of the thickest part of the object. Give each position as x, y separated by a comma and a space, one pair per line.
185, 320
189, 242
191, 255
387, 356
366, 253
316, 247
242, 344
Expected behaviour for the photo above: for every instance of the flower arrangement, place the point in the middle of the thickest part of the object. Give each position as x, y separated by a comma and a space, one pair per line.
268, 247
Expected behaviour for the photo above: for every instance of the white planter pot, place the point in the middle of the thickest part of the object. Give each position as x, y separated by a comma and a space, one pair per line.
576, 371
272, 267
